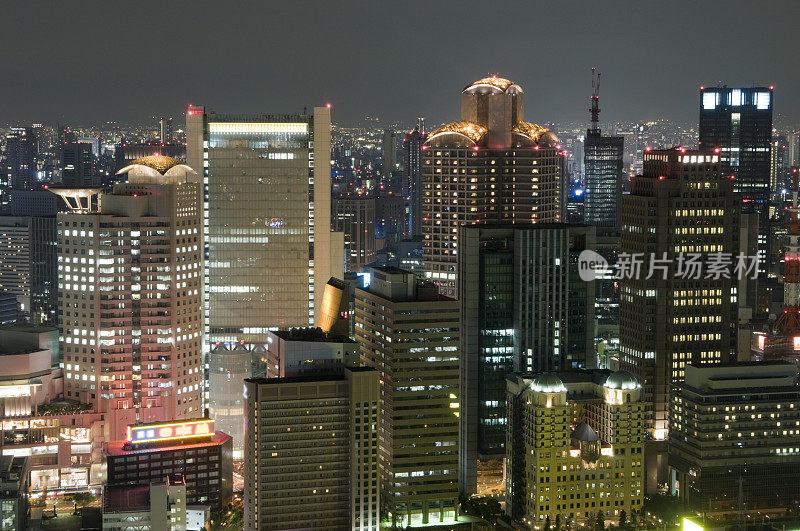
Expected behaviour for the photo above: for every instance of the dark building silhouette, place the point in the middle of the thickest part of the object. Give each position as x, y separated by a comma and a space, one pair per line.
77, 166
524, 307
20, 158
412, 168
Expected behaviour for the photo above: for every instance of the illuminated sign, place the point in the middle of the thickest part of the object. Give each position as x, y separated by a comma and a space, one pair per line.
762, 100
15, 391
796, 343
710, 100
170, 431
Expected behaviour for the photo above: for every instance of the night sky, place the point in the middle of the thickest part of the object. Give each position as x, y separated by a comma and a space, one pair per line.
86, 62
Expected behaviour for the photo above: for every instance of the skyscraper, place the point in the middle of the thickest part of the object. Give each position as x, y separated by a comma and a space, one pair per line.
738, 122
489, 166
312, 452
28, 250
389, 151
267, 226
682, 210
130, 296
269, 248
524, 308
354, 217
603, 169
20, 159
412, 169
77, 165
410, 335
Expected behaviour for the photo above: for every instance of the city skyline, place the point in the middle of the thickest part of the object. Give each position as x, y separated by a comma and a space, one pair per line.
648, 72
376, 266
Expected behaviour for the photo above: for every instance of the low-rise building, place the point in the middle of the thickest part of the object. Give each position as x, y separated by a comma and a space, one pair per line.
574, 446
14, 508
734, 439
62, 439
160, 506
191, 448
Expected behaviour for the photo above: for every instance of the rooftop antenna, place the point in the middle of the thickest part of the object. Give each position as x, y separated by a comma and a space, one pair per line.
595, 110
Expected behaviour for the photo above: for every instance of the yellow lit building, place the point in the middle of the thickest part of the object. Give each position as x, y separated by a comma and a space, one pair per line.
574, 446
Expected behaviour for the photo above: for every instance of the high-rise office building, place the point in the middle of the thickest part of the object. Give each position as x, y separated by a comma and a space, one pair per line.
312, 450
574, 447
20, 158
733, 438
738, 122
490, 166
77, 166
603, 169
269, 248
28, 252
412, 170
524, 308
389, 152
267, 225
410, 335
681, 211
130, 296
391, 216
354, 217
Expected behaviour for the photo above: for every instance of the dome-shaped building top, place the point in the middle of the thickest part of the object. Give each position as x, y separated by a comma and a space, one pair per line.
538, 135
548, 383
155, 167
622, 380
494, 84
469, 131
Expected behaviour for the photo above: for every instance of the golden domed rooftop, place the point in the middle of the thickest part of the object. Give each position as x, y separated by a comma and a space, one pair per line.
470, 130
535, 132
160, 163
495, 82
156, 166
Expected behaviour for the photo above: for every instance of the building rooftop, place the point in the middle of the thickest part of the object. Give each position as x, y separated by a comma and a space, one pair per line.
160, 163
33, 329
471, 130
313, 377
126, 499
314, 334
12, 473
499, 83
118, 448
